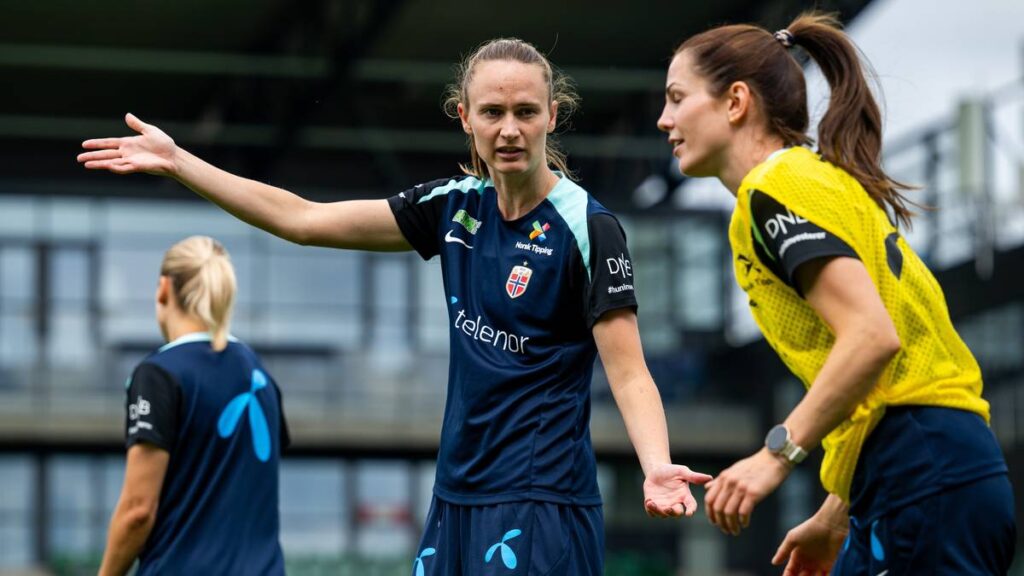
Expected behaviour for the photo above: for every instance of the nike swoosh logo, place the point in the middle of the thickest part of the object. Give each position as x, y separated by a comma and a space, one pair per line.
449, 238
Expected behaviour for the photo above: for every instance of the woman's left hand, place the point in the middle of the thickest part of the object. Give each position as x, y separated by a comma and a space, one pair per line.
667, 491
730, 498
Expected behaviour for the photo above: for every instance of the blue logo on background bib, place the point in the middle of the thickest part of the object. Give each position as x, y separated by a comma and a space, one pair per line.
232, 413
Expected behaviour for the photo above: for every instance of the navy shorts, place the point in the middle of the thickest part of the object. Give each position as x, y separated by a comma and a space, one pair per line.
527, 538
965, 531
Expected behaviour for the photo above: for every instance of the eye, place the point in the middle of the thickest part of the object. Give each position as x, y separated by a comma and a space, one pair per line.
491, 112
526, 112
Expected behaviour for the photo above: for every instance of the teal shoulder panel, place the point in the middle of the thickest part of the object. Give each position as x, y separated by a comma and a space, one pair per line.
570, 201
466, 185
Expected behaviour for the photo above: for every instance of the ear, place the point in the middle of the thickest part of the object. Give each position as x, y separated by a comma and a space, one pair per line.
163, 291
554, 116
464, 117
740, 100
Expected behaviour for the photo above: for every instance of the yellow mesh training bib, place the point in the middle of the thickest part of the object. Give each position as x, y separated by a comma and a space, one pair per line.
933, 367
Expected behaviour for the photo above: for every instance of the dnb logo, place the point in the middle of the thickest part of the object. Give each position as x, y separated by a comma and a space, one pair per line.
517, 281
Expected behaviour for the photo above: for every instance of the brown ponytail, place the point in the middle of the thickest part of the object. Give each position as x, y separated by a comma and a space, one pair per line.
850, 133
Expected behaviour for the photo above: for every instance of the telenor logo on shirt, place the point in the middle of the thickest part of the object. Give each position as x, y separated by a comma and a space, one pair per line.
229, 418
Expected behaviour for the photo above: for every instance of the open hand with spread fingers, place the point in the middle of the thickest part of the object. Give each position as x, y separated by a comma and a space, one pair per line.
667, 491
151, 151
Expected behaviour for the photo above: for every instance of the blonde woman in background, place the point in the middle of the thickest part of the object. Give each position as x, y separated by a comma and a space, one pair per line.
204, 432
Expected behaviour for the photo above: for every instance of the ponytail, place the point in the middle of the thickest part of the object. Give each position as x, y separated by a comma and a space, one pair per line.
850, 133
204, 283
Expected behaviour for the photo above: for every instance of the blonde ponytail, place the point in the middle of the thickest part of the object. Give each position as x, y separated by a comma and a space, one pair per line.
204, 283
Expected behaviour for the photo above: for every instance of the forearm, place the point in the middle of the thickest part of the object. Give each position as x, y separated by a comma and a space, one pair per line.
640, 405
848, 375
273, 209
835, 513
126, 537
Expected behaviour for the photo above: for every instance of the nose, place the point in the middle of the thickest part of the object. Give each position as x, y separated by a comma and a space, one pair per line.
665, 123
509, 127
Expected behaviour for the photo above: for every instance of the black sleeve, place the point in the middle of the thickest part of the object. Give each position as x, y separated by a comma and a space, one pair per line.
784, 240
153, 408
419, 216
285, 434
611, 271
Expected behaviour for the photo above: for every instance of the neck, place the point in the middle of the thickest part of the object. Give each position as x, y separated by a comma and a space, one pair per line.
179, 326
745, 155
520, 193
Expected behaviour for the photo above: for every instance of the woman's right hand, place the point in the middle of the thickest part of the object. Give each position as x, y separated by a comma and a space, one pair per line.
152, 151
811, 548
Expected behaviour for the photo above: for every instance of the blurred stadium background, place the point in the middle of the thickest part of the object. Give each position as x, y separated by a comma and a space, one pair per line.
341, 99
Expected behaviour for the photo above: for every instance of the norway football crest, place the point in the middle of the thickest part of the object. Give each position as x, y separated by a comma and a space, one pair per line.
517, 281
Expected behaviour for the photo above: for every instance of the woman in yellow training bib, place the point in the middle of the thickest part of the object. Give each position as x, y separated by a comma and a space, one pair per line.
916, 480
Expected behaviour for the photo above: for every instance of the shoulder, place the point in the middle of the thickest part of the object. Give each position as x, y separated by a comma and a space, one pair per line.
443, 187
578, 208
802, 181
152, 371
791, 169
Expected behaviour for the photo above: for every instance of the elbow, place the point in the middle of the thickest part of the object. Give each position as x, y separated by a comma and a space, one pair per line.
298, 236
298, 229
298, 233
883, 341
140, 516
890, 345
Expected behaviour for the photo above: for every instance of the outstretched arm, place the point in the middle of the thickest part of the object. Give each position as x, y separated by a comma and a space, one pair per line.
356, 224
667, 485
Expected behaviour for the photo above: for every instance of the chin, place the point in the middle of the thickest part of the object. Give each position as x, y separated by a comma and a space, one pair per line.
511, 168
694, 169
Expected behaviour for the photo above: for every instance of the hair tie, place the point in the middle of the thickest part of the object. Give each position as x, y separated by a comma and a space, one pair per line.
785, 37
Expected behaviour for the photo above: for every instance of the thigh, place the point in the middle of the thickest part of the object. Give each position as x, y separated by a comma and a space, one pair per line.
586, 536
439, 553
968, 530
527, 538
855, 555
901, 542
979, 529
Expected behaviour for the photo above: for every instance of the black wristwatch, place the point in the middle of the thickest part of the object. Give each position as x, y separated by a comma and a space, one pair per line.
778, 441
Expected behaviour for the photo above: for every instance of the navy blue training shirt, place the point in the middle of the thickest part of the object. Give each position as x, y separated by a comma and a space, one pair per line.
522, 298
219, 416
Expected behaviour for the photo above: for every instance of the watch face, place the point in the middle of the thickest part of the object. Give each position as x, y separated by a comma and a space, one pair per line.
776, 438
